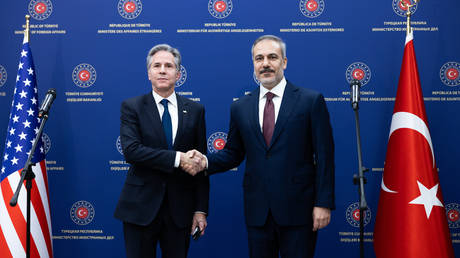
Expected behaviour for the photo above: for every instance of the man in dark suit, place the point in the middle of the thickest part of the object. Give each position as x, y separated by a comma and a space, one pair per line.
159, 201
285, 135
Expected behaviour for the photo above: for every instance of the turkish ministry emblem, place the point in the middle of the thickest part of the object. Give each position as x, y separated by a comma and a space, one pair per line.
118, 144
449, 74
129, 9
40, 9
352, 214
400, 8
84, 75
183, 77
359, 71
453, 215
311, 8
3, 76
220, 8
216, 142
82, 213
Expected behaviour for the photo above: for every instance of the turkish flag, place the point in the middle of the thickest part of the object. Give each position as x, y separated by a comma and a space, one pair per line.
411, 217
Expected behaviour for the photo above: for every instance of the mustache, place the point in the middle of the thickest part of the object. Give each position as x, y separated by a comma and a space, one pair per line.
266, 70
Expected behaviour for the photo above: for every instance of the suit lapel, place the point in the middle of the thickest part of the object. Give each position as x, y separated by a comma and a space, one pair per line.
254, 119
288, 103
182, 116
153, 115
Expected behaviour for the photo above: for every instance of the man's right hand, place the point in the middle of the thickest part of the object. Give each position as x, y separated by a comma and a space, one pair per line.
192, 162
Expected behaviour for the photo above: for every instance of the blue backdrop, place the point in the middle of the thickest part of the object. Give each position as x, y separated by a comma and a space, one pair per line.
93, 53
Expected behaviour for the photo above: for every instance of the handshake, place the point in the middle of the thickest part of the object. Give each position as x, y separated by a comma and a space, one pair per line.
192, 162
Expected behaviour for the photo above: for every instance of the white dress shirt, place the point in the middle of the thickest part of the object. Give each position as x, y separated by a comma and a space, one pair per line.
278, 90
172, 108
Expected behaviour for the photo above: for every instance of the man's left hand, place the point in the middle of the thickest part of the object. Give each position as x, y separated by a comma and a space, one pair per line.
199, 220
321, 217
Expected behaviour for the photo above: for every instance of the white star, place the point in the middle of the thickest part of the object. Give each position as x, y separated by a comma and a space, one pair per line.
3, 170
28, 153
26, 124
36, 130
34, 100
27, 82
15, 90
12, 131
35, 90
20, 65
17, 78
32, 141
5, 157
41, 150
8, 144
427, 198
23, 53
30, 112
15, 119
30, 70
23, 94
19, 106
14, 161
38, 119
22, 136
18, 148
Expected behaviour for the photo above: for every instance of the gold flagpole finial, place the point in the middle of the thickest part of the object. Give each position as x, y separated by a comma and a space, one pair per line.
27, 30
406, 4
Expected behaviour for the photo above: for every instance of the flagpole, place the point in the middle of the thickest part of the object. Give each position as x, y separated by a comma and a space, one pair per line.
408, 14
27, 30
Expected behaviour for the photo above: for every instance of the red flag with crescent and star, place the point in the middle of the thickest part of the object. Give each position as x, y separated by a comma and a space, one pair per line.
411, 217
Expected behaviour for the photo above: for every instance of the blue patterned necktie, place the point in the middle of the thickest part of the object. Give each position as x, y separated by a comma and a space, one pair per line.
166, 122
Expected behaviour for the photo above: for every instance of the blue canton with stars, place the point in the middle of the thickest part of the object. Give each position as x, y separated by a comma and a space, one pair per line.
24, 122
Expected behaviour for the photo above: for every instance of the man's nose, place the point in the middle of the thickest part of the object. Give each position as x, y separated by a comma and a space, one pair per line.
265, 62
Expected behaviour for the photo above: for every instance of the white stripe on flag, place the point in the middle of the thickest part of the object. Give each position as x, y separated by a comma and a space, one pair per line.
11, 236
40, 181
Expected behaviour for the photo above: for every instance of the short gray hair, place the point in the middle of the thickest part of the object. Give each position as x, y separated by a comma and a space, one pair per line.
272, 38
165, 47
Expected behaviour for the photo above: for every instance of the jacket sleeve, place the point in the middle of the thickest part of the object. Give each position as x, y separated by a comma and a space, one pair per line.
202, 189
323, 144
134, 150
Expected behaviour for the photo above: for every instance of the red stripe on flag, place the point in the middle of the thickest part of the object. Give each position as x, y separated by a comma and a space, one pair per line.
18, 219
41, 215
4, 249
45, 178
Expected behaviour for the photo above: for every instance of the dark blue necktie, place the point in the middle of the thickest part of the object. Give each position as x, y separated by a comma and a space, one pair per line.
166, 122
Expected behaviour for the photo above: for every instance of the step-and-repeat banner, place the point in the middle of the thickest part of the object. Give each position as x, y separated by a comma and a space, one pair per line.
93, 53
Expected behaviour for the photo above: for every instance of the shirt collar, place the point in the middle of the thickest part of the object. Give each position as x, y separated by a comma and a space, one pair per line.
278, 90
172, 98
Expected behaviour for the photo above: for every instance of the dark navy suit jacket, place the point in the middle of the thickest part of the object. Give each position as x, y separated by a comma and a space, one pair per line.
293, 174
152, 172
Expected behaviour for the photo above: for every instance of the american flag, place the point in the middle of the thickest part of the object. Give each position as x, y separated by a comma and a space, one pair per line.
22, 130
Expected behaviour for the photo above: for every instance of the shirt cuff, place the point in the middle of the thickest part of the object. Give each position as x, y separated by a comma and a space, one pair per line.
206, 158
177, 160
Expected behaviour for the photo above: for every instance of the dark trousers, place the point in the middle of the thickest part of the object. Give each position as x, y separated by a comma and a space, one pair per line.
141, 241
272, 240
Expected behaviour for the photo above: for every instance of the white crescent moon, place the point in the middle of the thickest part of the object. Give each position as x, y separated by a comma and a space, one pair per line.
81, 213
129, 7
39, 8
84, 76
219, 144
357, 74
451, 216
451, 74
220, 5
410, 121
311, 5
